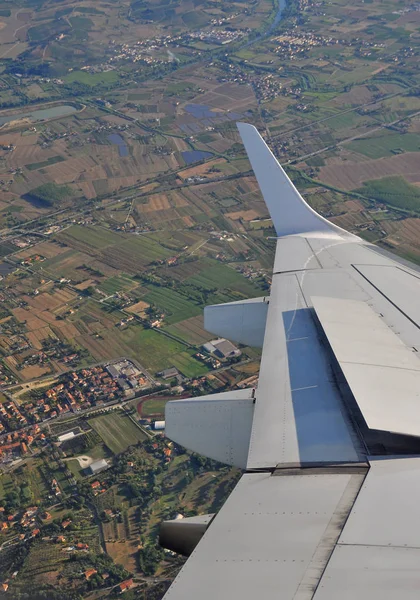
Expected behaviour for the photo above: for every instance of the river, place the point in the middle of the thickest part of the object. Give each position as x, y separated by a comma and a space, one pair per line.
271, 28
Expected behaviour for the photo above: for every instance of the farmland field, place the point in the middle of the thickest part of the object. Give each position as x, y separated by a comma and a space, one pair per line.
394, 191
189, 366
176, 307
350, 175
92, 79
218, 277
92, 237
155, 406
119, 283
191, 330
386, 145
117, 431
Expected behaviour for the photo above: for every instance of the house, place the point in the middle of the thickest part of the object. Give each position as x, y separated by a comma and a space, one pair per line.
125, 585
81, 546
89, 573
65, 523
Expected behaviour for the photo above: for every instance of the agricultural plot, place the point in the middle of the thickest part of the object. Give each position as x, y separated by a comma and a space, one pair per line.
133, 254
28, 482
119, 283
386, 145
117, 431
189, 366
218, 277
80, 237
41, 567
394, 191
175, 306
155, 406
191, 330
153, 350
350, 175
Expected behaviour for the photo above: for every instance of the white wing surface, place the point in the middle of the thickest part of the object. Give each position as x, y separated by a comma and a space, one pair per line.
329, 504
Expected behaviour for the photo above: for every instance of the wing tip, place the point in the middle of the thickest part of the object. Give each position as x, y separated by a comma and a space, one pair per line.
290, 213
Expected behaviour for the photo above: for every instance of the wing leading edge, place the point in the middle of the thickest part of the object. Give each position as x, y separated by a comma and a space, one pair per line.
312, 442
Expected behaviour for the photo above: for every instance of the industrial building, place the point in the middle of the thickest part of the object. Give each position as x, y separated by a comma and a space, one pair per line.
98, 466
222, 348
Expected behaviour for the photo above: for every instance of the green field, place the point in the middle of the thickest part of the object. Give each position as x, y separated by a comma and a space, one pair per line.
386, 145
117, 431
394, 191
119, 283
91, 79
144, 249
195, 19
156, 406
45, 163
95, 237
81, 23
189, 366
154, 350
218, 277
176, 307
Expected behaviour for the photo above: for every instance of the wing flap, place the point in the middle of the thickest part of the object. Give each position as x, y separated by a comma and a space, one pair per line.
271, 539
217, 426
382, 373
299, 415
378, 552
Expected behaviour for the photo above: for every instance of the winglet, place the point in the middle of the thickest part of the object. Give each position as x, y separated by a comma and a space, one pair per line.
289, 212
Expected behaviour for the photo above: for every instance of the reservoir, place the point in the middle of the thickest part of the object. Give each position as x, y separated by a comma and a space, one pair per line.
192, 156
115, 138
6, 268
61, 110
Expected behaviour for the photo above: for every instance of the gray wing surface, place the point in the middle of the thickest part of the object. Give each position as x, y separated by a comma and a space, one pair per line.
328, 505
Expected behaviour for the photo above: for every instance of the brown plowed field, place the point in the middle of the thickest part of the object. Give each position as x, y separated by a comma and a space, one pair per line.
156, 202
245, 215
202, 169
359, 94
353, 206
351, 175
349, 221
32, 322
138, 308
405, 231
46, 249
178, 200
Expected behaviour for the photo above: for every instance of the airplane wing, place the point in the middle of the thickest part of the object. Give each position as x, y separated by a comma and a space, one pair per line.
328, 506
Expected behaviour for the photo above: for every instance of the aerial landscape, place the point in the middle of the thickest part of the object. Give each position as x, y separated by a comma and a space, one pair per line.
127, 204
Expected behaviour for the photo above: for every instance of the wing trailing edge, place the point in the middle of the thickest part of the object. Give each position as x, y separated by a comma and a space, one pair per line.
290, 214
217, 426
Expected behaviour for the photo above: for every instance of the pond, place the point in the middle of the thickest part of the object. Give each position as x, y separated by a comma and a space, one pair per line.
6, 268
192, 156
116, 139
61, 110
